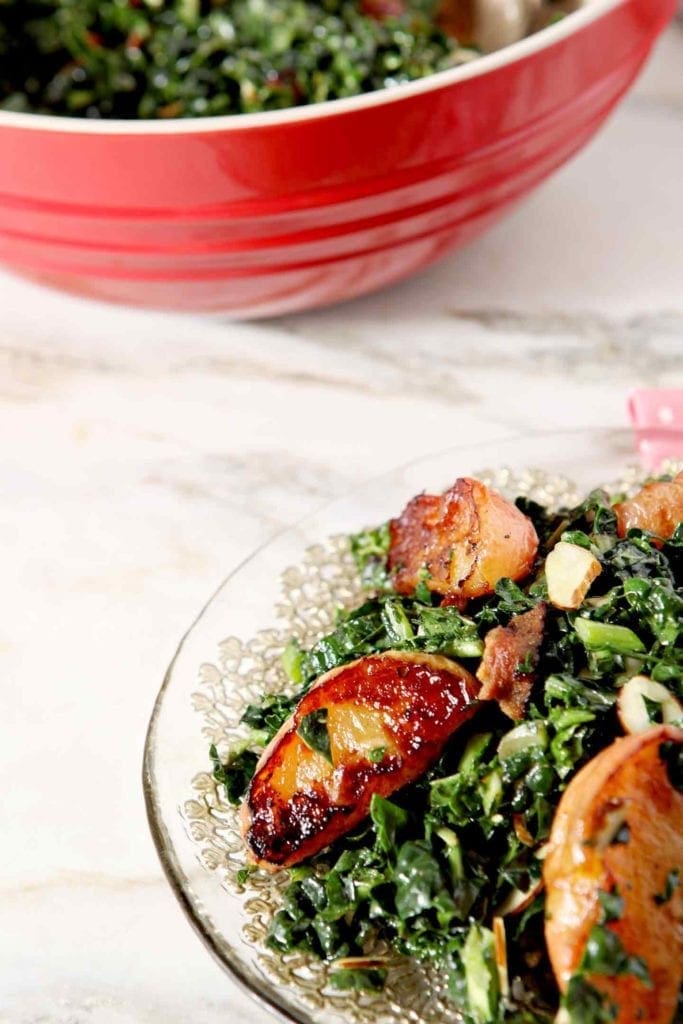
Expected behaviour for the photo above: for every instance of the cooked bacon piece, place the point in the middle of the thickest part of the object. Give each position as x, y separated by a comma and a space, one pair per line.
619, 827
508, 665
657, 507
460, 543
388, 718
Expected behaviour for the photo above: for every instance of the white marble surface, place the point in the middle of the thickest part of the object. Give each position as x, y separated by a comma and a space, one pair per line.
143, 455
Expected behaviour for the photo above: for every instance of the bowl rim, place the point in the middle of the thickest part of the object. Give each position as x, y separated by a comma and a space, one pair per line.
592, 10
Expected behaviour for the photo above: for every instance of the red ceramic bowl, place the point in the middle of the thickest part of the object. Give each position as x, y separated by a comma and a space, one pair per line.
260, 214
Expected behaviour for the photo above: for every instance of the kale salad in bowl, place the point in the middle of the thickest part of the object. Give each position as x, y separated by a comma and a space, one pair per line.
252, 157
197, 58
432, 771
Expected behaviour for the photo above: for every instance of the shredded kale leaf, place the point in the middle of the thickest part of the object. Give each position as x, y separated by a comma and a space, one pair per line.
313, 731
235, 774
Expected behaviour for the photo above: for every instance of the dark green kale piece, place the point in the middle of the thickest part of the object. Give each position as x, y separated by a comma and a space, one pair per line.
235, 775
313, 731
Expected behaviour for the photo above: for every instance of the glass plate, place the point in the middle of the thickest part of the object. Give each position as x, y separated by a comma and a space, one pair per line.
292, 586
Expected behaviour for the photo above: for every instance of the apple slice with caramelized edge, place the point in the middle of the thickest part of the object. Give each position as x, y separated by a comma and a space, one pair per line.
619, 830
368, 727
460, 543
657, 507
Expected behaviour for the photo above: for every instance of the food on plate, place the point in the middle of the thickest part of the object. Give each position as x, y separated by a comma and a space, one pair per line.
196, 58
657, 507
569, 572
365, 729
508, 664
639, 698
481, 765
460, 543
614, 905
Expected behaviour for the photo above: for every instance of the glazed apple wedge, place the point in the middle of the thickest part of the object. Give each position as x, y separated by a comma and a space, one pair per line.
618, 833
368, 727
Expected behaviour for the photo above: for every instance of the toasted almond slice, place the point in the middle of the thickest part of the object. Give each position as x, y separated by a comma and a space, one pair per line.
519, 900
633, 711
501, 954
570, 571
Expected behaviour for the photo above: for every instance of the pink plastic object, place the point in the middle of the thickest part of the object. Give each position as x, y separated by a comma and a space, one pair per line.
657, 417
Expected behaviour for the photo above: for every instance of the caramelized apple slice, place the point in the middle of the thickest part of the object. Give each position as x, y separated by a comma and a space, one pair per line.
461, 542
619, 828
371, 726
657, 507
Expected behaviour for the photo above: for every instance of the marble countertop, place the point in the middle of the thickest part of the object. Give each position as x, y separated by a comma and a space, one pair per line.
145, 454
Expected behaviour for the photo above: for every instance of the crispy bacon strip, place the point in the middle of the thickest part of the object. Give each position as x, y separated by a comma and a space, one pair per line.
657, 507
619, 826
388, 717
460, 543
508, 666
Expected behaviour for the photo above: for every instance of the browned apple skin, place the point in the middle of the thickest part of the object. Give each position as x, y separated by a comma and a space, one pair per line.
628, 780
466, 539
298, 803
657, 507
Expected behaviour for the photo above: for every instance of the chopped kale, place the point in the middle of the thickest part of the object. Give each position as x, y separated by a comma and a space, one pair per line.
673, 880
586, 1005
605, 954
313, 731
197, 58
612, 906
359, 979
235, 774
269, 715
370, 549
672, 756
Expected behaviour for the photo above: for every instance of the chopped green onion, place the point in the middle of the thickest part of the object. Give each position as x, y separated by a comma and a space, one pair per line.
524, 736
598, 636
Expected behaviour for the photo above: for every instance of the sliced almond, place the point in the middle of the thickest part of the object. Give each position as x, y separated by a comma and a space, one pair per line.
519, 899
570, 571
521, 831
501, 954
633, 711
